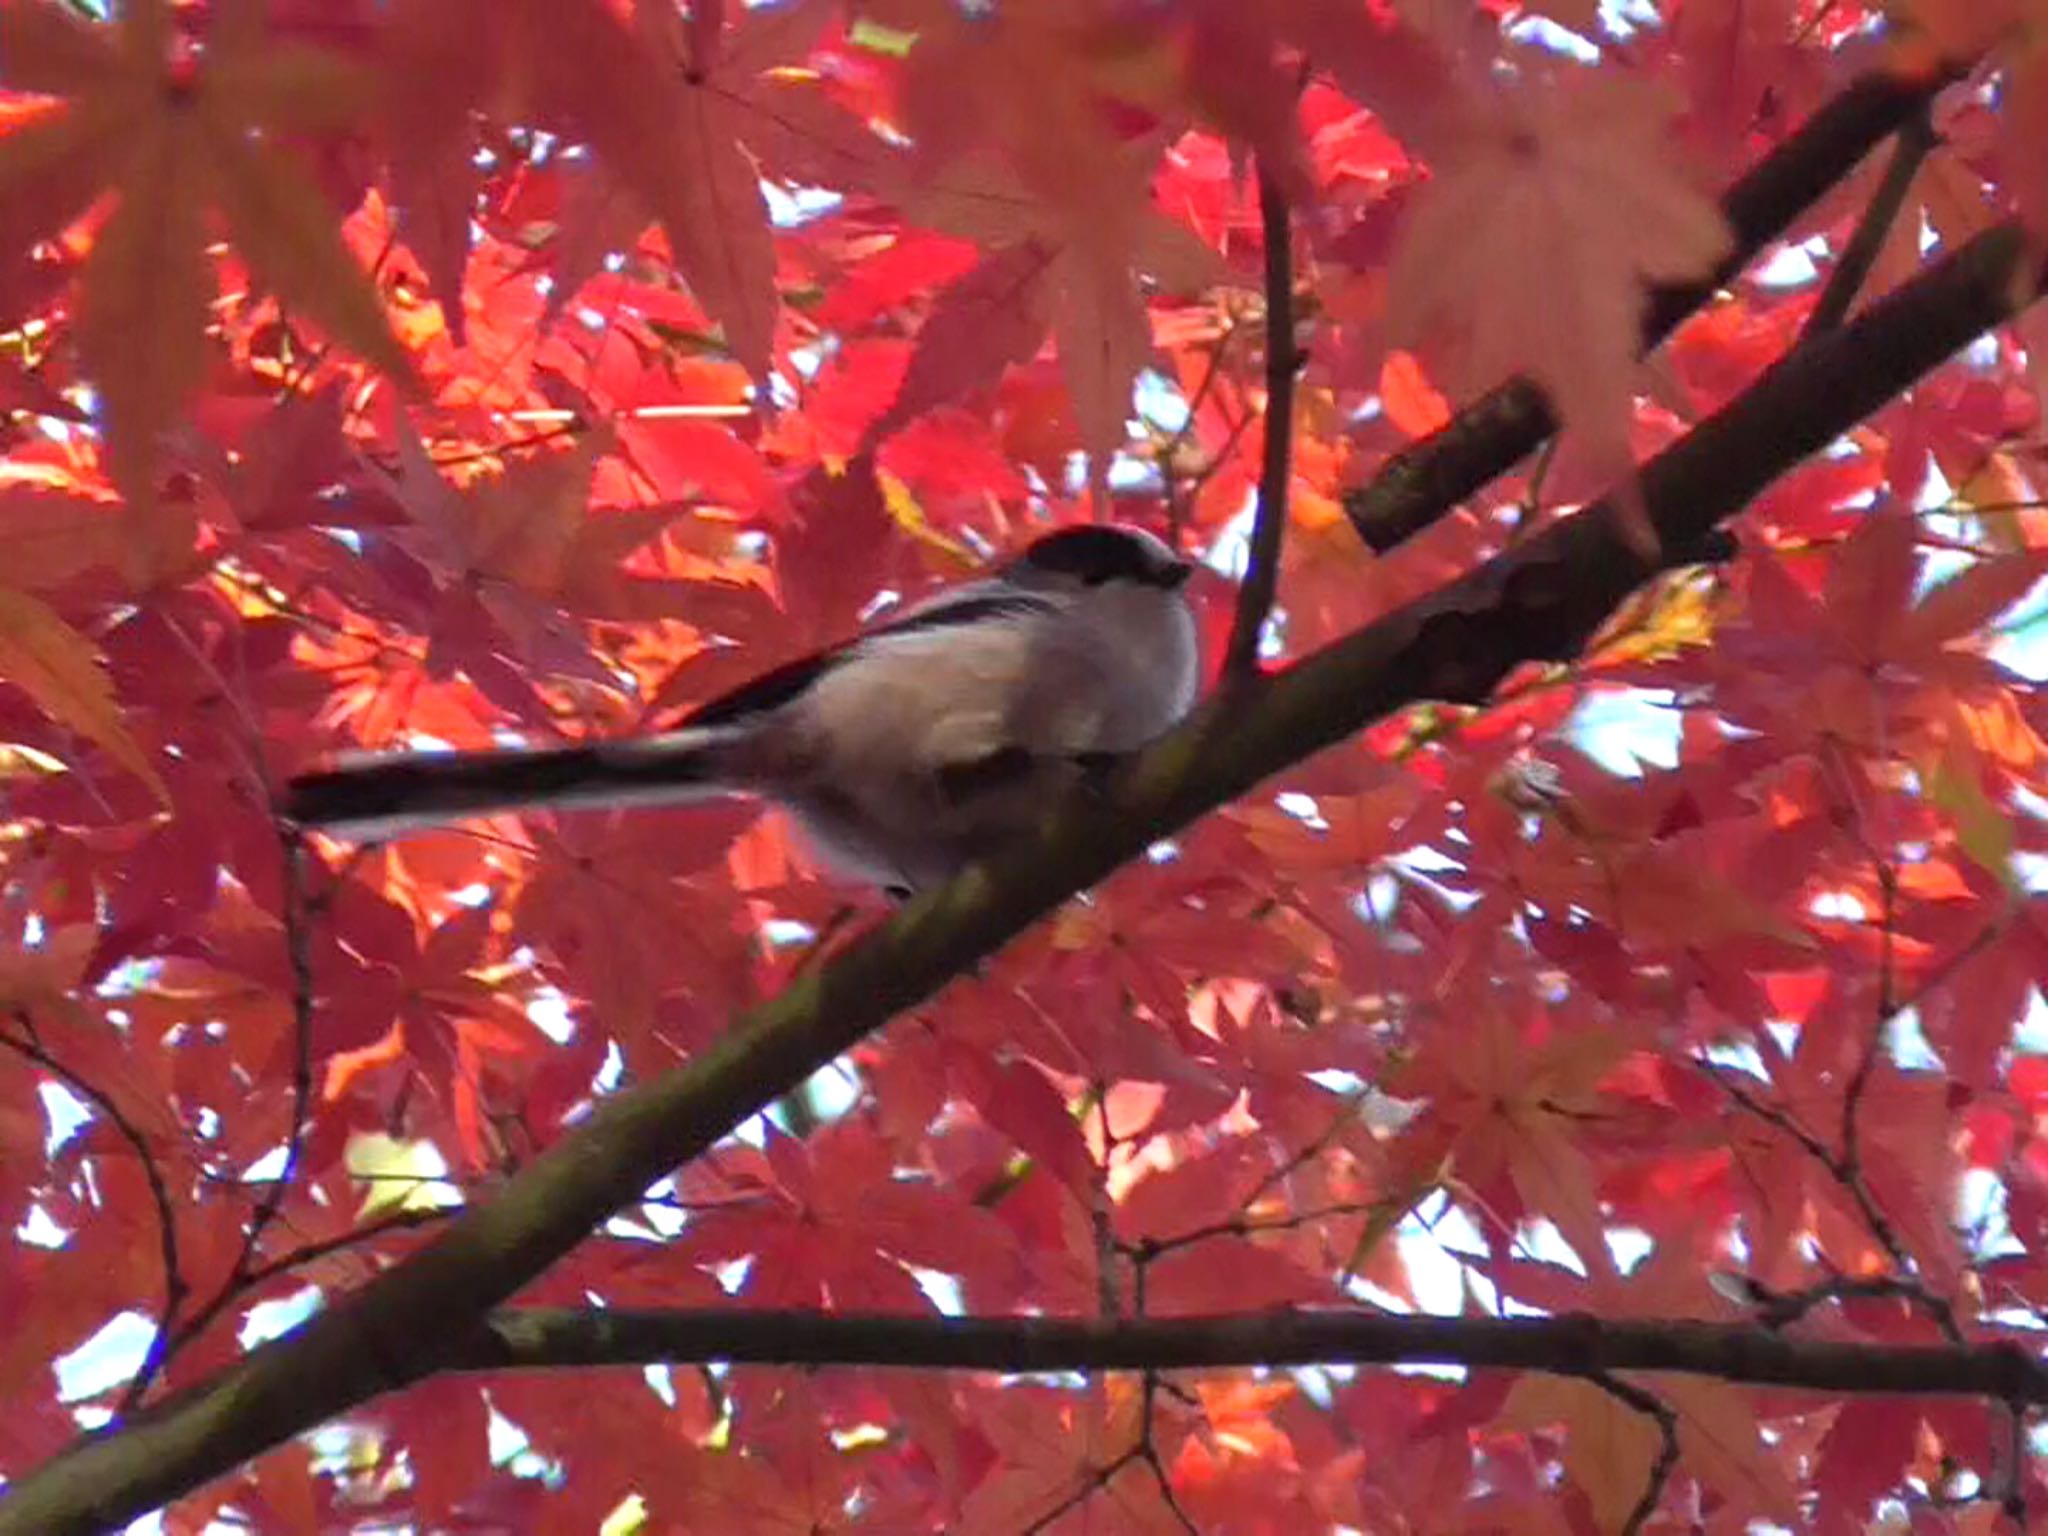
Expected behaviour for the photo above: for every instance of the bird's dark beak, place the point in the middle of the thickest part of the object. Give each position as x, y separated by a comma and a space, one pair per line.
1177, 574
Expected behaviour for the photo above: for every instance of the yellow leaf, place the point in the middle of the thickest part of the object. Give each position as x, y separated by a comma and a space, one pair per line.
868, 33
1984, 831
60, 669
910, 516
402, 1175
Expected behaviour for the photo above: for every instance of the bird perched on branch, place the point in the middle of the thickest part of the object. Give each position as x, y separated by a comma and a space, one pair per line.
903, 754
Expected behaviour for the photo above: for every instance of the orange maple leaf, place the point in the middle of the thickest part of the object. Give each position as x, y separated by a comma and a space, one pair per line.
60, 669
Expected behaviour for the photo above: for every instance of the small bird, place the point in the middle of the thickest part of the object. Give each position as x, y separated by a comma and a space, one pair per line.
903, 754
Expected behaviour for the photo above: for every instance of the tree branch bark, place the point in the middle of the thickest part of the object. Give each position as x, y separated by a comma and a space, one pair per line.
1538, 603
1269, 528
1490, 436
551, 1338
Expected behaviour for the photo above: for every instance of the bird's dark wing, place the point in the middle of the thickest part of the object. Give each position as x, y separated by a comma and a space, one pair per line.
778, 685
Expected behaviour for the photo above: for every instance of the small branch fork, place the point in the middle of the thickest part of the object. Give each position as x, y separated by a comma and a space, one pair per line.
1845, 1166
296, 920
1144, 1252
1916, 141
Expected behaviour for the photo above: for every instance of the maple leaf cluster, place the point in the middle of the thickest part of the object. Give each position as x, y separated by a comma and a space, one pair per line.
439, 373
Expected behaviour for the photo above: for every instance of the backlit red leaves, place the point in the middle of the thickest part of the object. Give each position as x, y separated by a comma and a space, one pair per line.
1709, 964
1528, 250
171, 139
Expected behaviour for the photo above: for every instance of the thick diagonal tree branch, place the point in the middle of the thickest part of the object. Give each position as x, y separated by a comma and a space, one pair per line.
539, 1338
1489, 437
1541, 602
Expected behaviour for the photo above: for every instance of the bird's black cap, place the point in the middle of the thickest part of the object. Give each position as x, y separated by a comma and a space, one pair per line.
1095, 552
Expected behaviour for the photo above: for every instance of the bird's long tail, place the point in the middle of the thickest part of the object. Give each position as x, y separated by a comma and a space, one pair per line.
381, 796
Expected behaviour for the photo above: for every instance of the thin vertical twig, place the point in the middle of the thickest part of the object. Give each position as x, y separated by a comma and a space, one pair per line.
26, 1046
1262, 567
1099, 1215
1168, 453
1851, 1158
298, 942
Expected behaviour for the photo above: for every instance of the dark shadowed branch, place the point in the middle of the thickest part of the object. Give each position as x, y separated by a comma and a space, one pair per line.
1489, 437
1589, 1348
1262, 565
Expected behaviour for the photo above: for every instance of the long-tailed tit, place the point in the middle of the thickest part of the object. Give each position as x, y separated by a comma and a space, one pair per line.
903, 754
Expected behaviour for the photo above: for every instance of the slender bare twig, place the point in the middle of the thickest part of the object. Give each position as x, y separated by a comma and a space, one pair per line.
26, 1046
240, 1285
1167, 453
1655, 1408
298, 942
1262, 567
1141, 1254
1916, 139
1848, 1164
1851, 1181
1148, 1452
299, 958
1780, 1309
1844, 1163
1147, 1249
1100, 1218
2013, 1497
1302, 1156
1097, 1479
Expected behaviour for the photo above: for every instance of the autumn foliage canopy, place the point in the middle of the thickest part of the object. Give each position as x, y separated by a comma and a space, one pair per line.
1587, 952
